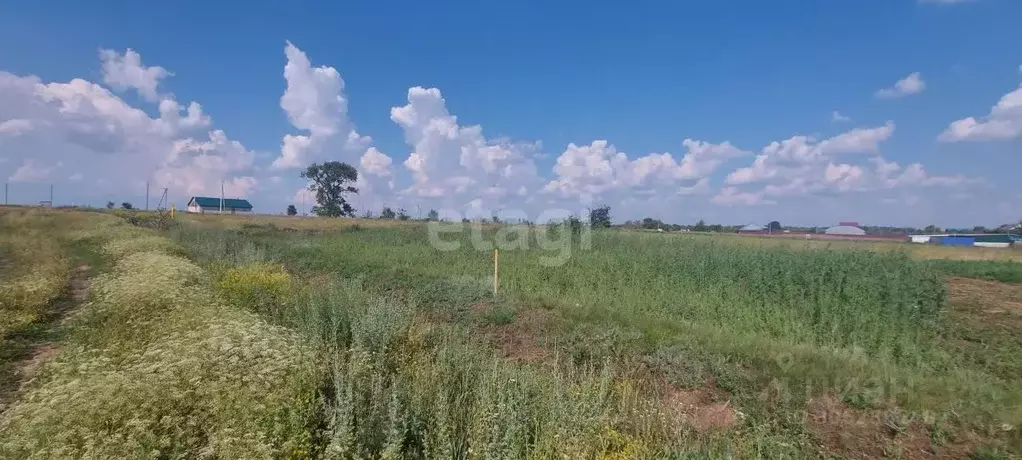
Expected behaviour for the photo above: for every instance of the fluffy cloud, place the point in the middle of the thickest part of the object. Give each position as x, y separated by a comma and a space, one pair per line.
588, 171
844, 177
800, 166
449, 159
798, 155
890, 175
1003, 122
314, 101
81, 129
197, 167
911, 84
375, 162
170, 115
125, 71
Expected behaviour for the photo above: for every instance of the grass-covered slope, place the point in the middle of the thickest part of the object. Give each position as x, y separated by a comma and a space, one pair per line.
155, 367
33, 267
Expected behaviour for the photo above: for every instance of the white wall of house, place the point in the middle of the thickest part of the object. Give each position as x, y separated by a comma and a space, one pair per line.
216, 210
983, 244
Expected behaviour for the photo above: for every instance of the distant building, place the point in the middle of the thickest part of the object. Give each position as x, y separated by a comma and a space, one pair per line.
205, 204
752, 228
845, 230
984, 240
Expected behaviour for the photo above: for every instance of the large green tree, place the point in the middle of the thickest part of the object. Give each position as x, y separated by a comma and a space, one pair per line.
331, 181
599, 217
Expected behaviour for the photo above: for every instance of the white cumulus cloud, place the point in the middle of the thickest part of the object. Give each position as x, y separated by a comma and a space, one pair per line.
588, 171
797, 155
1003, 122
375, 162
911, 84
125, 71
444, 153
81, 129
315, 101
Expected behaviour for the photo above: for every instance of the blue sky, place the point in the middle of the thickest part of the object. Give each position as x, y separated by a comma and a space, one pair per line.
546, 84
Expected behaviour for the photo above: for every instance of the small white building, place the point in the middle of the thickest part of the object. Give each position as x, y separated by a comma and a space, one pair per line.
845, 230
205, 204
920, 238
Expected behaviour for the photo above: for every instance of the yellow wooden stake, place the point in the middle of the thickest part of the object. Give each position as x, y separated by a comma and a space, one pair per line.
496, 273
171, 211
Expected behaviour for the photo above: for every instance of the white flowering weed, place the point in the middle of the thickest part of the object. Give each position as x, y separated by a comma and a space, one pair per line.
155, 368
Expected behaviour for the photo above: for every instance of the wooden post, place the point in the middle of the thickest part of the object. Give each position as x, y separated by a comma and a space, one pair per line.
496, 272
171, 211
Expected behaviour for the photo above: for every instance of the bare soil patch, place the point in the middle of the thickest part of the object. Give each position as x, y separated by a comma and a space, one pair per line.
703, 409
30, 368
877, 433
522, 339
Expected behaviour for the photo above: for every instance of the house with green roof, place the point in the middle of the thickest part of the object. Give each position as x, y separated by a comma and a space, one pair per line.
205, 204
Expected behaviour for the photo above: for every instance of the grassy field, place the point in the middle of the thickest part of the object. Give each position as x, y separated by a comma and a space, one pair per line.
252, 337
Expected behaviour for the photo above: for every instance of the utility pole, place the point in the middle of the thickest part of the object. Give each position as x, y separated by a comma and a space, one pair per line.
5, 193
221, 197
146, 195
51, 195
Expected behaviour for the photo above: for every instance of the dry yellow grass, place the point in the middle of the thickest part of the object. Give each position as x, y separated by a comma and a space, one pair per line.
33, 267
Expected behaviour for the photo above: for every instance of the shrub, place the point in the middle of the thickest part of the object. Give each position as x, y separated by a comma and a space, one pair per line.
258, 287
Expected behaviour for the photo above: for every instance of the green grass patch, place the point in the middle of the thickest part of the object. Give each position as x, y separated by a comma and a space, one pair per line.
992, 270
773, 326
